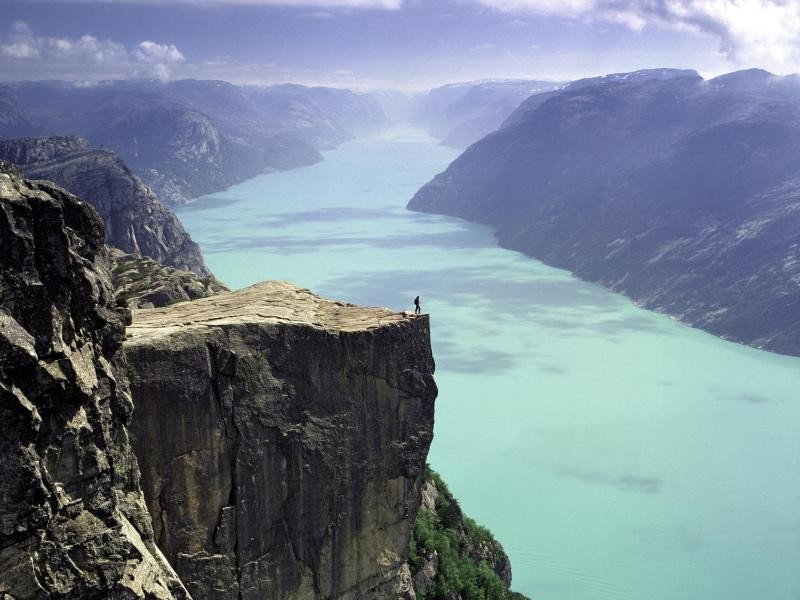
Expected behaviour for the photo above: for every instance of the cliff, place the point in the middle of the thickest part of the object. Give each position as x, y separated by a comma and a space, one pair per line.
136, 220
73, 522
678, 192
282, 439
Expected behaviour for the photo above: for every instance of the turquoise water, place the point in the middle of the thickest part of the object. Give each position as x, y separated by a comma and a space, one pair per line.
615, 453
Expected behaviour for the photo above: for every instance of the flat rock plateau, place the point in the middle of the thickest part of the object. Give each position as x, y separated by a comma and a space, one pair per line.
282, 439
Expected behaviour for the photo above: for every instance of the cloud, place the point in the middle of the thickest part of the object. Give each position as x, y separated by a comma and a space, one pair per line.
157, 53
87, 55
756, 32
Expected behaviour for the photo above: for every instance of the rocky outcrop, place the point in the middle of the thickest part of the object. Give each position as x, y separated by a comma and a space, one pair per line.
73, 522
141, 282
282, 439
681, 193
136, 220
452, 556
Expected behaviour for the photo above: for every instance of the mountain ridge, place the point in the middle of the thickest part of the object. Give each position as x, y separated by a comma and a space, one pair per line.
187, 138
681, 193
136, 220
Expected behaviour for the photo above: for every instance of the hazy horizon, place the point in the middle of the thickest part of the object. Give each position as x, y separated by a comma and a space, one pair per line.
405, 45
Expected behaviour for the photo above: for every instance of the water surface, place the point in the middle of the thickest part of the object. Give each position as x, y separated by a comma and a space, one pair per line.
615, 453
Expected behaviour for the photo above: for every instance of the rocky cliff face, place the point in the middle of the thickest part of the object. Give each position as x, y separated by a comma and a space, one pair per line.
136, 220
73, 522
681, 193
282, 439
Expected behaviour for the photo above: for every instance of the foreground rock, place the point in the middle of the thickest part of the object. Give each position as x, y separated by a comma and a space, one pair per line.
73, 522
681, 193
282, 439
141, 282
136, 220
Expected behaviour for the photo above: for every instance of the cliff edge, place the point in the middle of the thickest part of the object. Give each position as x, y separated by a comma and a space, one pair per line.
282, 439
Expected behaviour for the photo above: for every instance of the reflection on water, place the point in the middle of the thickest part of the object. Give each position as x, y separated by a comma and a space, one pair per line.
614, 452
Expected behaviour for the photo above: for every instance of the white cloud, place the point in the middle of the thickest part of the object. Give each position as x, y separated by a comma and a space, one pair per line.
755, 32
86, 56
148, 51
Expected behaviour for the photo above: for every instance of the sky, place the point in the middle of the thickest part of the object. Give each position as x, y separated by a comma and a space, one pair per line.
390, 44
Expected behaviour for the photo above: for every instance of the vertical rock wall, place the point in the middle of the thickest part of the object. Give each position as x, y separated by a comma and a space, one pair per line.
73, 523
282, 440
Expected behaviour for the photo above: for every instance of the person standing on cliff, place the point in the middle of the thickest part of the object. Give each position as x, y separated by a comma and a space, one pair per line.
416, 306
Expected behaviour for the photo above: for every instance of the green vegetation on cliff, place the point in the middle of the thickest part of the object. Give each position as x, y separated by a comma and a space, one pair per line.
452, 557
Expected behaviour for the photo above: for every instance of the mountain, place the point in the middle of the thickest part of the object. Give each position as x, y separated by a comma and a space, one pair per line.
641, 76
189, 138
681, 193
136, 220
463, 113
13, 120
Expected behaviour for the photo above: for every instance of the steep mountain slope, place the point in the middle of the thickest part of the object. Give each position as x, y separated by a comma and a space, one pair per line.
13, 120
73, 522
189, 138
681, 193
463, 113
136, 220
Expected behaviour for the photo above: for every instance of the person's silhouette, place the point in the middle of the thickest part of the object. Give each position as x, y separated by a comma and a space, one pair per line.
416, 306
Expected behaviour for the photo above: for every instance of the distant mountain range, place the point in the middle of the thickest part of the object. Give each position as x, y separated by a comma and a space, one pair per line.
680, 192
462, 113
189, 138
136, 221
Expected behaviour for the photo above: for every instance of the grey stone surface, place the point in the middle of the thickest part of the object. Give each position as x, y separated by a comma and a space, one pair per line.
73, 522
282, 439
